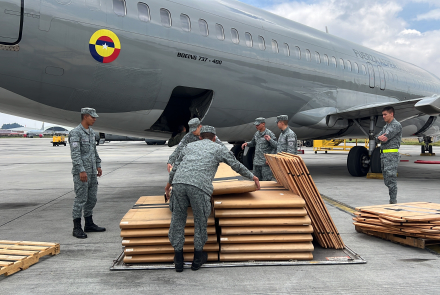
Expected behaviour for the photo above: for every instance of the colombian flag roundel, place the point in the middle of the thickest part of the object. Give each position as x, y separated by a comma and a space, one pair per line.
104, 46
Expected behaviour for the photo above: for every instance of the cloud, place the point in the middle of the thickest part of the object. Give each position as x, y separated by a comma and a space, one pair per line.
375, 24
431, 15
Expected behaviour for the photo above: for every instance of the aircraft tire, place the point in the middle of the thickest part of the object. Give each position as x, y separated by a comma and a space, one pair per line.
430, 149
356, 161
375, 161
248, 159
308, 143
238, 152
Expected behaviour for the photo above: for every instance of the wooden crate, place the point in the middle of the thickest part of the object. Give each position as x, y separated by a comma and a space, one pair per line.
19, 255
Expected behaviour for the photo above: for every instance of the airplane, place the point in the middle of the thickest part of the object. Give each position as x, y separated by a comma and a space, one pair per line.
29, 132
148, 66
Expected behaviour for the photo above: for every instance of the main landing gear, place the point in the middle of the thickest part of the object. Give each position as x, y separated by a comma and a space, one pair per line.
360, 159
426, 148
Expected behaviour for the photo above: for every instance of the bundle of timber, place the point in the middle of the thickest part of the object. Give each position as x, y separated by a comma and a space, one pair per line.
418, 219
144, 232
269, 224
292, 173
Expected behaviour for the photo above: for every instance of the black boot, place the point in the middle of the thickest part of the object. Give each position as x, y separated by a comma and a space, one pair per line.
91, 227
200, 258
77, 229
178, 260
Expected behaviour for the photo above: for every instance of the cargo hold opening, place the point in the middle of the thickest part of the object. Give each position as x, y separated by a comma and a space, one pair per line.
185, 104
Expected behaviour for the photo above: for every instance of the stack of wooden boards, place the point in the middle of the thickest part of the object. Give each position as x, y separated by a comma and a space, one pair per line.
269, 224
418, 219
144, 232
291, 172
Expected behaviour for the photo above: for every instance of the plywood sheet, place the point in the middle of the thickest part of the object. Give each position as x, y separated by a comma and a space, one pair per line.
410, 212
160, 258
163, 249
154, 218
189, 240
258, 230
266, 221
283, 212
279, 238
234, 187
225, 171
259, 199
267, 248
265, 256
151, 200
158, 232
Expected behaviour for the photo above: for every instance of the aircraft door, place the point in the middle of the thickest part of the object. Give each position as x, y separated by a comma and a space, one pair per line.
11, 21
382, 78
371, 74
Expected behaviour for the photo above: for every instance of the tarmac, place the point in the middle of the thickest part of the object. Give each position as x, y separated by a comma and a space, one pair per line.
36, 204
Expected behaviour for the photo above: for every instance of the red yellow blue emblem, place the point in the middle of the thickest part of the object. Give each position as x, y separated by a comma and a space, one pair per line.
104, 46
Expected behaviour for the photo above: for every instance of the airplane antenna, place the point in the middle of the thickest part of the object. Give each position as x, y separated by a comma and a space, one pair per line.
326, 29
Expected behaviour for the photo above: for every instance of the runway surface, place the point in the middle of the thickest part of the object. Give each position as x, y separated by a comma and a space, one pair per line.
36, 196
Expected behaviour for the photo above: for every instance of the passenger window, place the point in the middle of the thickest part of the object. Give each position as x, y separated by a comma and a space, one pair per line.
220, 32
334, 62
261, 43
186, 22
119, 7
308, 55
235, 37
275, 46
355, 68
317, 57
248, 38
326, 59
286, 49
298, 52
364, 70
203, 26
341, 63
165, 17
144, 12
348, 63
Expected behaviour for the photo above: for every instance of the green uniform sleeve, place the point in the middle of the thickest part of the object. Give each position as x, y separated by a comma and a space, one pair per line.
393, 130
273, 141
229, 159
251, 143
75, 152
176, 165
177, 151
98, 159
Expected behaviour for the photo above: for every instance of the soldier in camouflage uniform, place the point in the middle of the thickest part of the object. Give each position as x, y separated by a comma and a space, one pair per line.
264, 142
191, 178
86, 170
390, 138
191, 136
287, 142
175, 140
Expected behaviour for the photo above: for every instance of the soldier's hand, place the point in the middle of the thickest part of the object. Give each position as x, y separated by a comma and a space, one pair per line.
169, 167
99, 172
243, 145
267, 137
383, 138
167, 192
257, 182
83, 176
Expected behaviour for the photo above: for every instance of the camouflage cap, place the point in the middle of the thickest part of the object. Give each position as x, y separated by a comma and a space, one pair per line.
89, 111
193, 124
207, 129
259, 120
282, 118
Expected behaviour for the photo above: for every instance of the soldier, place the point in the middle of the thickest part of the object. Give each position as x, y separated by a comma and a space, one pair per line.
264, 142
191, 178
191, 136
287, 142
390, 138
86, 170
175, 140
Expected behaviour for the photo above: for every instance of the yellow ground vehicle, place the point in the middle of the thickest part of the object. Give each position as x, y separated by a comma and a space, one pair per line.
59, 139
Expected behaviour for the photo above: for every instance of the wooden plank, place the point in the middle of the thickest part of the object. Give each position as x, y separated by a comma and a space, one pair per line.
158, 232
266, 221
162, 258
265, 256
258, 230
6, 263
163, 249
151, 200
18, 247
283, 212
237, 187
267, 248
28, 243
225, 171
279, 238
259, 199
410, 212
189, 240
17, 252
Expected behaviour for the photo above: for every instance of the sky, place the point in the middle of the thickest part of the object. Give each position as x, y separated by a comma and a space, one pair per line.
406, 29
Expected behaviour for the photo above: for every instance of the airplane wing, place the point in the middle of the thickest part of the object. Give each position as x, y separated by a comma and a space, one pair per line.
404, 109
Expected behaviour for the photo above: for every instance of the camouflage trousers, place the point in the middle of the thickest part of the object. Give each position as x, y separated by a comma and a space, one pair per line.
389, 163
263, 173
182, 196
85, 192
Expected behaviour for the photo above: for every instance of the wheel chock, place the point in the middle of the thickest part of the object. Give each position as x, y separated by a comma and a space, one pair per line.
376, 175
427, 155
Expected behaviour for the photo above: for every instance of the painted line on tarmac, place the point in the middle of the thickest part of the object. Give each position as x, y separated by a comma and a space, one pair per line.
339, 205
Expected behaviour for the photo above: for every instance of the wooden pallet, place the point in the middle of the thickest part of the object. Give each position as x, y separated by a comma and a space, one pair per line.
400, 239
19, 255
